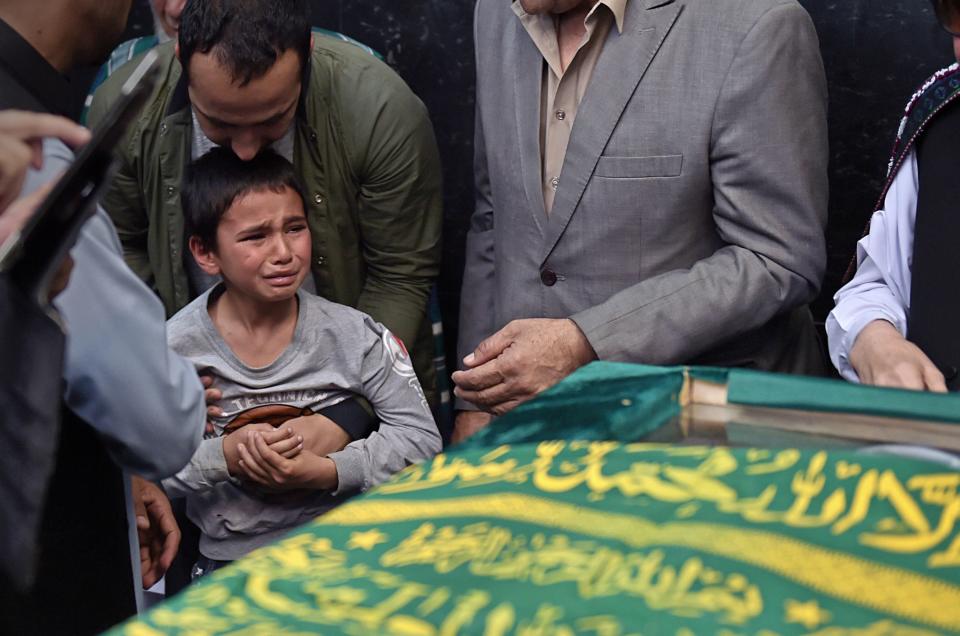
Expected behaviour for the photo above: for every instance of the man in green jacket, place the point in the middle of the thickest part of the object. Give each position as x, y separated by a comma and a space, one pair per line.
248, 74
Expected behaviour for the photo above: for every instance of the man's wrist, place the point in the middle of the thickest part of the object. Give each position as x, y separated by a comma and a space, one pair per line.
875, 335
583, 351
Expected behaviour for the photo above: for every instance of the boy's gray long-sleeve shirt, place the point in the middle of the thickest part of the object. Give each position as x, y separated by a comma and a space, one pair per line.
337, 352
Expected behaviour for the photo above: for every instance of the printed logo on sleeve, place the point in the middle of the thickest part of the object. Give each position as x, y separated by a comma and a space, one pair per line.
398, 354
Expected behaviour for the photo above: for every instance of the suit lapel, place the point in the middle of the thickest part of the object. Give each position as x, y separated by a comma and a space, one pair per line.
528, 73
621, 66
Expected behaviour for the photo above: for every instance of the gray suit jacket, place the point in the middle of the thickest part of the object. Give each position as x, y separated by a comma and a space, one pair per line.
688, 225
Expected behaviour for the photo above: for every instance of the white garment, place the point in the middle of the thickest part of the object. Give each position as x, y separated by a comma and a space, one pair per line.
880, 290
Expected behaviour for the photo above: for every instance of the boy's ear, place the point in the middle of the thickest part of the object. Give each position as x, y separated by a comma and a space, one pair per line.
205, 257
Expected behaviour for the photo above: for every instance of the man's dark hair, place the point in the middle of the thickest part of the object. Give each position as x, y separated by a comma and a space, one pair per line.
247, 36
214, 181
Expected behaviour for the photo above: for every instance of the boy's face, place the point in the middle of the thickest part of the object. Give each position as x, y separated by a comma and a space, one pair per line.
263, 246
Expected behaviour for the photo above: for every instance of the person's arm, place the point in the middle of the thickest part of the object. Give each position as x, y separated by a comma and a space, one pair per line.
768, 159
206, 468
407, 433
866, 331
120, 376
400, 205
218, 459
880, 289
122, 199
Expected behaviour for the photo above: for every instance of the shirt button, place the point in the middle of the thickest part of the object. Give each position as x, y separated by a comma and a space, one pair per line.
560, 115
313, 137
317, 198
170, 191
554, 182
321, 260
163, 129
548, 277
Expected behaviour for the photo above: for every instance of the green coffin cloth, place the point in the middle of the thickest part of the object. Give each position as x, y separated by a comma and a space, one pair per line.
607, 539
619, 401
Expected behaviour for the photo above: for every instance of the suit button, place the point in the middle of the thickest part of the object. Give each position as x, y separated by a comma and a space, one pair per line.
548, 277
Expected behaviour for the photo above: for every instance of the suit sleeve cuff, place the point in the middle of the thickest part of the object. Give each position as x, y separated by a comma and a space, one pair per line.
591, 323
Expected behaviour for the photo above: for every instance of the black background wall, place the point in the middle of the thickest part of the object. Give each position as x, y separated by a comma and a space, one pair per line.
876, 52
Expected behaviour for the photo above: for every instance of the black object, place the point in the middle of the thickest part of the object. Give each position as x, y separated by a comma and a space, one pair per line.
33, 255
64, 542
934, 302
84, 576
30, 388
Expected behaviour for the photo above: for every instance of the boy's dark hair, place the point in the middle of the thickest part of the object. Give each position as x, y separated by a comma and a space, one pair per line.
247, 36
214, 181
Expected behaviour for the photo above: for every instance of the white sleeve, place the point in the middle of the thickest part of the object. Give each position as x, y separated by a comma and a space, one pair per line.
120, 375
880, 290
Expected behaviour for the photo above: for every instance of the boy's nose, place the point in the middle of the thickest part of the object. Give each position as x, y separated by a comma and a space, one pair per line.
282, 251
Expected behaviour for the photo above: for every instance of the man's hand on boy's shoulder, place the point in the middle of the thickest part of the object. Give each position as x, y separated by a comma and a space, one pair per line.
261, 464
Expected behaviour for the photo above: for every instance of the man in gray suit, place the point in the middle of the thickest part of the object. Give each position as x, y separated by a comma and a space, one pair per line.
651, 187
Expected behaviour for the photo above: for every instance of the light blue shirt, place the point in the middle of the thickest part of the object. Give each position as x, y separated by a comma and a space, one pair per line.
119, 374
880, 290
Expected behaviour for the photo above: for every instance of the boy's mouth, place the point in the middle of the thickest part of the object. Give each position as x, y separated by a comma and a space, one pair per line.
282, 279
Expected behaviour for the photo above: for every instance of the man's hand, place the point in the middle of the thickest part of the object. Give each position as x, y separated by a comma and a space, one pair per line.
468, 423
16, 216
321, 435
521, 360
264, 466
211, 396
21, 146
157, 530
282, 440
883, 357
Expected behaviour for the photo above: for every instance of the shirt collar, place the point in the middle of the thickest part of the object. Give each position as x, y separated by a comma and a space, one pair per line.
617, 7
51, 89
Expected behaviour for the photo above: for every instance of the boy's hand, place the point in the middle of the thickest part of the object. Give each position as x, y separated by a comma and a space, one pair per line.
157, 530
321, 435
264, 466
283, 441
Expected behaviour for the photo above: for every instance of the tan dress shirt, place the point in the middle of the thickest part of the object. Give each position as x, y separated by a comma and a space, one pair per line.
562, 89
